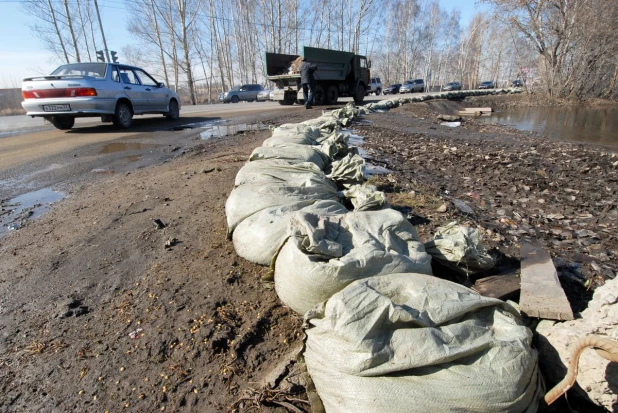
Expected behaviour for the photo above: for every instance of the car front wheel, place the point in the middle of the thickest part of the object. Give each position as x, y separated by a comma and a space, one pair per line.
123, 116
62, 122
174, 111
235, 99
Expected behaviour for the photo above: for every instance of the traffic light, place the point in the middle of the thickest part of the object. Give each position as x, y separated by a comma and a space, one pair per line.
100, 55
114, 57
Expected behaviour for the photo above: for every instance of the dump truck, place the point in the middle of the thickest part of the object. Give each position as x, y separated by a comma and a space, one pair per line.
338, 74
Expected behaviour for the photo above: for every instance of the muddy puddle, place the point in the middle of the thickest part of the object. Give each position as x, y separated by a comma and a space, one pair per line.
219, 129
17, 212
578, 124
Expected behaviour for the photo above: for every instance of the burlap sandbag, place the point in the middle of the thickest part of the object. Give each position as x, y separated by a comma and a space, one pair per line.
417, 343
325, 253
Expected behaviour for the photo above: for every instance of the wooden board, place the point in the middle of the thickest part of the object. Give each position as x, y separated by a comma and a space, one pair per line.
476, 110
542, 295
497, 286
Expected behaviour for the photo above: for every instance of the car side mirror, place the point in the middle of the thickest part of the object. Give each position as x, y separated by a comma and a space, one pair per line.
161, 84
369, 64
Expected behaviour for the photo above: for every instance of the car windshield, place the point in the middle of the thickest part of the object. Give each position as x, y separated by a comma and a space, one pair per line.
235, 89
486, 83
81, 69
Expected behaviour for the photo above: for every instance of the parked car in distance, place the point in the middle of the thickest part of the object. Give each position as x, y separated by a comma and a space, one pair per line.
112, 91
410, 86
392, 89
263, 95
452, 86
518, 83
245, 92
271, 95
487, 85
375, 85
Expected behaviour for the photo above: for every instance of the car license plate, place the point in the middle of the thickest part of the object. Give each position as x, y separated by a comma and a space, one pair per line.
56, 108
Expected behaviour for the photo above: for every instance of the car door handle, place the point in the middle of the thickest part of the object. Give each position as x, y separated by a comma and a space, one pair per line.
127, 88
148, 89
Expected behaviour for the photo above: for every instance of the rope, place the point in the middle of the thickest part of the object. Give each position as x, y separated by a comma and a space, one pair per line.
608, 349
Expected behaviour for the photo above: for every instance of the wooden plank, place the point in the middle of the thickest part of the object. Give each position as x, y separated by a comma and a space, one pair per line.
497, 286
476, 110
542, 295
464, 113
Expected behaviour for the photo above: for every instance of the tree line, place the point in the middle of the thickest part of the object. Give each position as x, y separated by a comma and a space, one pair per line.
564, 48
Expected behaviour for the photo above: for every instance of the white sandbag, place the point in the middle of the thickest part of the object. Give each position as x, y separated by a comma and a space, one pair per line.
293, 153
365, 197
297, 134
335, 144
326, 253
246, 200
417, 343
460, 248
259, 237
276, 170
348, 170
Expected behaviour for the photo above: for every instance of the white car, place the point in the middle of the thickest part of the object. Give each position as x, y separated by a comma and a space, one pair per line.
264, 95
113, 91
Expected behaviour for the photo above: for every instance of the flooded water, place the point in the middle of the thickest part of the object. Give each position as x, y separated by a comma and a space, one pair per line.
16, 212
218, 129
579, 124
370, 168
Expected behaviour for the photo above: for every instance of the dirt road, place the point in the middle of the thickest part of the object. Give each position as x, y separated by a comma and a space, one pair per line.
104, 309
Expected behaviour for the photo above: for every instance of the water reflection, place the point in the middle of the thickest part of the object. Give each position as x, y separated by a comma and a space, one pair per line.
18, 211
580, 124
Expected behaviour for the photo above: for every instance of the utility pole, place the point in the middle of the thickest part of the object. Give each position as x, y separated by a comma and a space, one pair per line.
96, 6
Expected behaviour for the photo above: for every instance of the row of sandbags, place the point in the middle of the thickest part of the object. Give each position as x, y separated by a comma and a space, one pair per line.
402, 100
383, 334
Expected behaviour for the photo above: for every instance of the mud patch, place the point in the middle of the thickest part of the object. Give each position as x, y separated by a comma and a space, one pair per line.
15, 213
126, 146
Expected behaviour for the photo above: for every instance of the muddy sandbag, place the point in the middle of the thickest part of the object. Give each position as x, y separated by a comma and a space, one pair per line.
292, 153
348, 170
246, 200
365, 197
460, 249
259, 237
276, 170
417, 343
296, 134
335, 145
325, 253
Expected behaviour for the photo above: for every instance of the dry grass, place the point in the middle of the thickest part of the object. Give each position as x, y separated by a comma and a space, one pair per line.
415, 200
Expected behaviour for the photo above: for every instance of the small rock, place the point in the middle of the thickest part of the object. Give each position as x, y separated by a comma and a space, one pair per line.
171, 242
442, 208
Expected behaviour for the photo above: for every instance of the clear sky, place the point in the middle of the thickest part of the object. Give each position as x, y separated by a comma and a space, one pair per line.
23, 55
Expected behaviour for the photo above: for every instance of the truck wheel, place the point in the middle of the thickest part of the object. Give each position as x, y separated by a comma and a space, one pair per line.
332, 94
288, 100
378, 92
235, 99
319, 97
62, 122
359, 96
